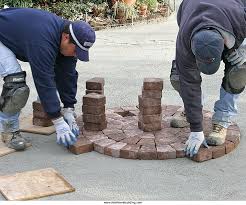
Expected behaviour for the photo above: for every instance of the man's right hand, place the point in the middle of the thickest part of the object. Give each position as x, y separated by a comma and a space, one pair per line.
63, 132
195, 140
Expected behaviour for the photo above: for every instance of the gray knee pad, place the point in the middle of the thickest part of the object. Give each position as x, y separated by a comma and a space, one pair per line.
174, 77
15, 93
235, 79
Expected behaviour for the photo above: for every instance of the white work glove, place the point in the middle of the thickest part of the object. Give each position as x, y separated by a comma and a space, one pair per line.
63, 133
238, 57
69, 116
195, 140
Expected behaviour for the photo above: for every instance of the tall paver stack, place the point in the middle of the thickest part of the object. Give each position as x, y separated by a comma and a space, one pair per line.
93, 107
150, 105
40, 117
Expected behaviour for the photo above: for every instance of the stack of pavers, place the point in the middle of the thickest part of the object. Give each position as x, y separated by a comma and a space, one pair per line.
93, 107
95, 85
40, 117
150, 105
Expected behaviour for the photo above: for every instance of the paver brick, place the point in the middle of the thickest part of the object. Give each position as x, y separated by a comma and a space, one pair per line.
95, 83
95, 110
150, 142
150, 119
97, 119
218, 151
148, 102
151, 110
117, 137
165, 152
147, 152
94, 138
41, 122
229, 146
179, 147
203, 154
114, 149
94, 126
112, 131
101, 92
233, 136
132, 133
153, 84
37, 106
129, 151
151, 94
94, 99
131, 140
149, 127
82, 145
40, 114
100, 145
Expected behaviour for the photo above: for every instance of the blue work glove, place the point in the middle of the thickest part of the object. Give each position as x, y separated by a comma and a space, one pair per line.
63, 133
195, 140
69, 116
238, 57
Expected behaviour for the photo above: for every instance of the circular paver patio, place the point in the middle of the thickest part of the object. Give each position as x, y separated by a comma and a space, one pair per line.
122, 137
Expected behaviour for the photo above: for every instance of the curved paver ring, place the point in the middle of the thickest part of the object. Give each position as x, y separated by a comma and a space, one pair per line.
122, 137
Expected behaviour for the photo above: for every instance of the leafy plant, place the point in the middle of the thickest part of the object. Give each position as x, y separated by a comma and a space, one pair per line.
128, 11
16, 3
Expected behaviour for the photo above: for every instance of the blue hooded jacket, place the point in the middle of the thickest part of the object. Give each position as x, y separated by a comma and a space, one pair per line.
194, 15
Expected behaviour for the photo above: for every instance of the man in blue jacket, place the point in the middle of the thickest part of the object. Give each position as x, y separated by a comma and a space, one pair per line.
209, 31
52, 46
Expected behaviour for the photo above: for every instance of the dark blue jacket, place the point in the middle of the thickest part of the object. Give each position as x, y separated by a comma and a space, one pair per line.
34, 36
193, 15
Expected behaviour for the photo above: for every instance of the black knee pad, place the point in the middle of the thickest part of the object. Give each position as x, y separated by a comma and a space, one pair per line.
174, 77
235, 79
15, 93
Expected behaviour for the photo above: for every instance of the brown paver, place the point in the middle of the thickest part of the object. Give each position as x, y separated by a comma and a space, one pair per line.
82, 145
165, 152
37, 106
218, 151
150, 119
148, 102
95, 84
151, 110
229, 146
112, 131
145, 141
114, 149
149, 127
94, 99
151, 94
95, 110
117, 137
95, 126
179, 147
147, 152
41, 115
97, 119
129, 151
100, 145
203, 154
101, 92
132, 140
94, 138
41, 122
153, 84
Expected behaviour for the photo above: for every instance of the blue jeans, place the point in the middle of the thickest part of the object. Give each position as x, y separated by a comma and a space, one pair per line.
8, 65
225, 108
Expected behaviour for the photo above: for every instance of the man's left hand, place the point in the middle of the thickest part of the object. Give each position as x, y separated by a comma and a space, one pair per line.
69, 116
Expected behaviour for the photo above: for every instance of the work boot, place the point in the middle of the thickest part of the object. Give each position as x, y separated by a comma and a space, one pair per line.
217, 136
179, 120
15, 140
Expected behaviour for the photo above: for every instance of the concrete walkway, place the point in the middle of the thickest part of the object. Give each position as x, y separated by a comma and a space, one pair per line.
124, 56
